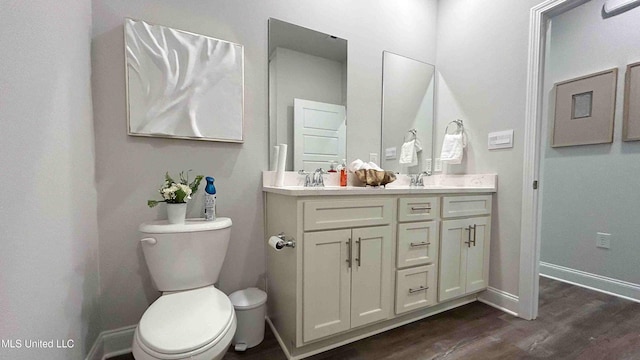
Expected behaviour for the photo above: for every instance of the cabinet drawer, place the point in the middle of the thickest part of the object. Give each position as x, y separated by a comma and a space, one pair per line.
415, 288
321, 215
417, 208
417, 243
458, 206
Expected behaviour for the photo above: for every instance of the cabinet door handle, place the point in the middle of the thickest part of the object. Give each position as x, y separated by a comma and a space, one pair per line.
424, 243
359, 258
421, 288
474, 234
468, 242
349, 249
416, 208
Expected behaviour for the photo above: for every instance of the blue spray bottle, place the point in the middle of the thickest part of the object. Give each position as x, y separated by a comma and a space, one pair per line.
210, 199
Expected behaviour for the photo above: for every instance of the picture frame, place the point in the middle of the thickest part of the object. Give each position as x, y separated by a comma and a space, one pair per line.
182, 85
631, 117
585, 110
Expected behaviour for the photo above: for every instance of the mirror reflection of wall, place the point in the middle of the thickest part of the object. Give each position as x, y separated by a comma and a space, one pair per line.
407, 104
307, 95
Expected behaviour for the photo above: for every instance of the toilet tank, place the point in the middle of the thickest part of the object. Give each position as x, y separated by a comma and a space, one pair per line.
185, 256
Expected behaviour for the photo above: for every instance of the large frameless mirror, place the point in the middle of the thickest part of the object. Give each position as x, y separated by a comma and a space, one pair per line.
307, 95
408, 89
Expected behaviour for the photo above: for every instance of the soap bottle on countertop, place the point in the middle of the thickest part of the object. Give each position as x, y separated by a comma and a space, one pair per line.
343, 173
210, 200
332, 167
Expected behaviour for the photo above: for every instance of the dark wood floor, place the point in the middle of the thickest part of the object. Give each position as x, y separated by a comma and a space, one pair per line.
573, 323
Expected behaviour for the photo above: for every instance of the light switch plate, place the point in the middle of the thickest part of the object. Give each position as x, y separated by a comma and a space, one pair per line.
390, 153
373, 157
427, 164
500, 140
438, 165
603, 240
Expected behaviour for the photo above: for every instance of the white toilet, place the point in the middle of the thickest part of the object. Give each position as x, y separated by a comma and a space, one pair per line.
192, 319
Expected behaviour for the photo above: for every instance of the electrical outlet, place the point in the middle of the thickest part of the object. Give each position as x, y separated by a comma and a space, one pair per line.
603, 240
373, 157
438, 165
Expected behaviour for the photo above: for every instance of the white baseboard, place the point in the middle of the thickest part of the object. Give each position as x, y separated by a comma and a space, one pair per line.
112, 343
615, 287
500, 300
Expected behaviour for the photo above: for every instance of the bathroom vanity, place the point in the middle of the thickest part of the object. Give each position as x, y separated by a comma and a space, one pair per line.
367, 260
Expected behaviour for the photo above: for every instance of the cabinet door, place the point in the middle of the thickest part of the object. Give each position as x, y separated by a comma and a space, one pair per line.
453, 259
371, 292
417, 244
326, 283
478, 255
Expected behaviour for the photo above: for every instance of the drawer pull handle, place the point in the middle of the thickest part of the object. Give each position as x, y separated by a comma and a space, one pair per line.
349, 261
421, 288
424, 243
416, 208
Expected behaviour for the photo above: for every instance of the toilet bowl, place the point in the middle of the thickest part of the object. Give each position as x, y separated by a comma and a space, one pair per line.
192, 319
193, 324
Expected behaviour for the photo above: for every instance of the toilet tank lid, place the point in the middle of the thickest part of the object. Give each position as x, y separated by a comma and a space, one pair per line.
190, 225
248, 298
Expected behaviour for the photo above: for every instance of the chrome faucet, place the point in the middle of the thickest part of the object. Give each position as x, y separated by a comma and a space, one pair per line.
318, 180
420, 181
313, 180
307, 177
417, 179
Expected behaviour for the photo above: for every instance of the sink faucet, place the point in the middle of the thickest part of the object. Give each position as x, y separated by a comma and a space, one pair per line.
420, 181
417, 179
318, 180
313, 180
307, 177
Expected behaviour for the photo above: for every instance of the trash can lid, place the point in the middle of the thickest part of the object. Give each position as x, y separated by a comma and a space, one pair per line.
248, 298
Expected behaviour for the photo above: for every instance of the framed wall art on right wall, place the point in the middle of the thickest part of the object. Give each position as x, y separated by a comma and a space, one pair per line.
585, 110
631, 119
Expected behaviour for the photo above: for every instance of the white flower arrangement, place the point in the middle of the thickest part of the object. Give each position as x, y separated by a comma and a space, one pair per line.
173, 192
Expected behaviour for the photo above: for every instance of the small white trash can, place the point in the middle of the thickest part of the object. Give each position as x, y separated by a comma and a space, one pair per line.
250, 314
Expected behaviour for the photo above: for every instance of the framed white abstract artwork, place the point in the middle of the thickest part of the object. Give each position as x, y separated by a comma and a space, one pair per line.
183, 85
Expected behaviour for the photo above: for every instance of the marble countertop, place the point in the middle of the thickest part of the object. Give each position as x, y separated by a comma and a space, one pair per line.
437, 184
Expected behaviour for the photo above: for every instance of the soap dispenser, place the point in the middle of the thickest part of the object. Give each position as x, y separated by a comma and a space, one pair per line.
210, 200
343, 173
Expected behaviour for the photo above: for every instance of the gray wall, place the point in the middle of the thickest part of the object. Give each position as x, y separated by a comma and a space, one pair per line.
130, 169
482, 66
594, 188
48, 237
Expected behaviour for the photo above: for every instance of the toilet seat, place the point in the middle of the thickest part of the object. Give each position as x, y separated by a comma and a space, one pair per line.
186, 323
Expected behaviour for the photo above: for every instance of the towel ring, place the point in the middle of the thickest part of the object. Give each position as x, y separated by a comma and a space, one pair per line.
413, 135
459, 124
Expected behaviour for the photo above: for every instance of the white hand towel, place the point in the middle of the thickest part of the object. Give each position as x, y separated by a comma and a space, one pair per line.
356, 165
408, 154
374, 166
452, 148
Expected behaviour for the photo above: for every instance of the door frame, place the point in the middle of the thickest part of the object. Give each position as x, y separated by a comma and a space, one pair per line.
528, 291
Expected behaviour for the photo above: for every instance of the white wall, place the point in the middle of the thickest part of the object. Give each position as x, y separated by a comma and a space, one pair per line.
482, 66
132, 167
48, 237
594, 188
302, 76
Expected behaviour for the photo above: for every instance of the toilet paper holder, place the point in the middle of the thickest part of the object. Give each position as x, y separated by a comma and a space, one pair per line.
285, 242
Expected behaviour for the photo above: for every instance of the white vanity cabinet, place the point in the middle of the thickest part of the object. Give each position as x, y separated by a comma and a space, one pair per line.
346, 279
364, 264
464, 246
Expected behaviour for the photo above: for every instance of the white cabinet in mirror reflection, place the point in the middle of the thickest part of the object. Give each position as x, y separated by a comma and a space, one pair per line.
183, 85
